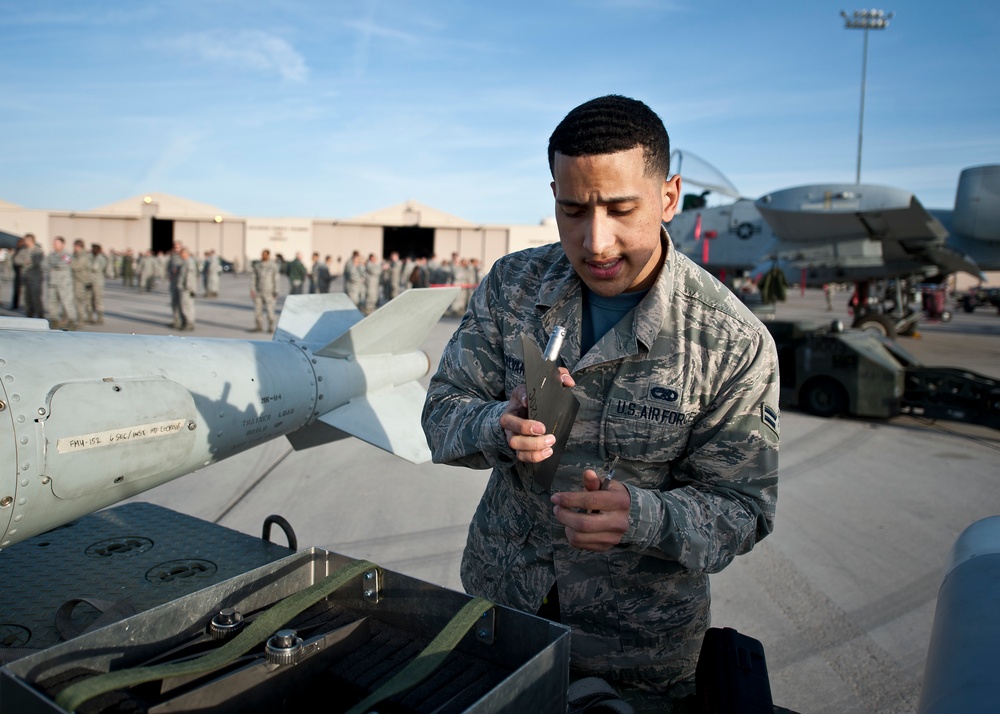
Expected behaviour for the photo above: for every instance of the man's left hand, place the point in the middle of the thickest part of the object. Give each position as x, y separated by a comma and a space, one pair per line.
594, 519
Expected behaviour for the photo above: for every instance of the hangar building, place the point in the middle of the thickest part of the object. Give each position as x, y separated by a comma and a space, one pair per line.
154, 221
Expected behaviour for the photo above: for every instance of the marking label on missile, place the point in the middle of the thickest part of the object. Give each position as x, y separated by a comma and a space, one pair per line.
118, 436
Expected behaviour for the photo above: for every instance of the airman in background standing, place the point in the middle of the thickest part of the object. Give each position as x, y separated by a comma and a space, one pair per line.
147, 272
187, 287
174, 263
213, 267
354, 279
61, 306
30, 260
296, 271
15, 297
323, 275
82, 280
314, 271
462, 277
395, 277
128, 269
404, 279
264, 290
373, 280
98, 271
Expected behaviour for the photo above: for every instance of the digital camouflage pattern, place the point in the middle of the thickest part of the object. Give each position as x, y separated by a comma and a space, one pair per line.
684, 390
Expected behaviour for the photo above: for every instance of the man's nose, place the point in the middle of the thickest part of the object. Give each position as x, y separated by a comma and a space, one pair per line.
599, 233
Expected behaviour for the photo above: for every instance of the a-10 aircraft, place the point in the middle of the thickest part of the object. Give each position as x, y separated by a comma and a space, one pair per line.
844, 233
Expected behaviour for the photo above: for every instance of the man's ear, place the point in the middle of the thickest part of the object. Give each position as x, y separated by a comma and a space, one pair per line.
671, 193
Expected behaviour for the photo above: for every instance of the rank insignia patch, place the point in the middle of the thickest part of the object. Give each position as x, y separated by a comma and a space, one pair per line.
769, 416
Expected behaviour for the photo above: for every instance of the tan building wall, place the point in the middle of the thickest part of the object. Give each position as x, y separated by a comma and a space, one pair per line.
112, 232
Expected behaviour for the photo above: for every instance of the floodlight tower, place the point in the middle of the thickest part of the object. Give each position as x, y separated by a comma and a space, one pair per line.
864, 20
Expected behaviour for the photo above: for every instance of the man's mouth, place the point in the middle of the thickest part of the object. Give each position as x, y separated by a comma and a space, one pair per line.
604, 269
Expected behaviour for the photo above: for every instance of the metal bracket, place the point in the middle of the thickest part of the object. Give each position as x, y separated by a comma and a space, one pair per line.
486, 626
371, 586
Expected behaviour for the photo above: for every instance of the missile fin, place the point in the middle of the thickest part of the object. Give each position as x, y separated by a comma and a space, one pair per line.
399, 326
317, 319
389, 419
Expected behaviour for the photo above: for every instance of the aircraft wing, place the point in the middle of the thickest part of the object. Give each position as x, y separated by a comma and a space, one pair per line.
833, 213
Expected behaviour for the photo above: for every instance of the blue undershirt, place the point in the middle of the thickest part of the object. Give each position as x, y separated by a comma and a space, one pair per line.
600, 314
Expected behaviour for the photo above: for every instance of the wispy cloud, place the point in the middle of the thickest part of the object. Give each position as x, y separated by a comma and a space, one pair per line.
247, 49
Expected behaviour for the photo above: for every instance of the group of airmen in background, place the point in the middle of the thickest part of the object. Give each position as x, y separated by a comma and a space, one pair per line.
373, 282
368, 283
67, 288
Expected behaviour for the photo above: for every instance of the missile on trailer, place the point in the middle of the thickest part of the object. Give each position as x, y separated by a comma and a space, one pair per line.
87, 419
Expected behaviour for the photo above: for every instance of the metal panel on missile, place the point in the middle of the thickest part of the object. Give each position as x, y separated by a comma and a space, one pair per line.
155, 436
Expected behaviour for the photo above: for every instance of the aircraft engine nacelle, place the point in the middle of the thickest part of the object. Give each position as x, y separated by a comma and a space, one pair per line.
977, 203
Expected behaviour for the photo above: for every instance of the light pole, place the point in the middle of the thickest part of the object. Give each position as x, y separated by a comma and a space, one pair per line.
864, 20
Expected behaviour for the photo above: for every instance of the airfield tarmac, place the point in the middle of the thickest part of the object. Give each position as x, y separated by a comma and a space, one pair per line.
841, 595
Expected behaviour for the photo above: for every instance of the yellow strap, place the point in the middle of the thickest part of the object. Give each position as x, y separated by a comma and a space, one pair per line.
255, 633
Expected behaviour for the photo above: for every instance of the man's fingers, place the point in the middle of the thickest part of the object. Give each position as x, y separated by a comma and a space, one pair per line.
532, 449
565, 378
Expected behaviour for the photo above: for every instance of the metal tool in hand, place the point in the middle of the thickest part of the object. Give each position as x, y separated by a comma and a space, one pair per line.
606, 481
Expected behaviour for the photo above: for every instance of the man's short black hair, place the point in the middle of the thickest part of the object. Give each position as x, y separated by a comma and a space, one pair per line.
610, 124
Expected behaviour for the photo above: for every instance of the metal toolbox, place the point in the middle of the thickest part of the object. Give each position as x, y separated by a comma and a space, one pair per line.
368, 630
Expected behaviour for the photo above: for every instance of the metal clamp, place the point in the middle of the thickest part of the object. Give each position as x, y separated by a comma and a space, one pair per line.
486, 626
371, 585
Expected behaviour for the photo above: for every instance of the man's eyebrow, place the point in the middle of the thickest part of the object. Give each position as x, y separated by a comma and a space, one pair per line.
600, 202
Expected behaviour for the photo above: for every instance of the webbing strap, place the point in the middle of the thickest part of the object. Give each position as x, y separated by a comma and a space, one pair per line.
256, 632
430, 658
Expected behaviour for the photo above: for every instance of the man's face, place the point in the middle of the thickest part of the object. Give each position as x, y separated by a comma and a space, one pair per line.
609, 212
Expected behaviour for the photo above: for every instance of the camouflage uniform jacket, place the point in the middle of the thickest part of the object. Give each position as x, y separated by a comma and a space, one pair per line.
265, 279
187, 276
58, 266
684, 390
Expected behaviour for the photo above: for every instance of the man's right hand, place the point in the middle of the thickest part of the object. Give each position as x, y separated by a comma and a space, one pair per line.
527, 437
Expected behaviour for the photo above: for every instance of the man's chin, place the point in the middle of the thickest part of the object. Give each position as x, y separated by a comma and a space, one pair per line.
606, 288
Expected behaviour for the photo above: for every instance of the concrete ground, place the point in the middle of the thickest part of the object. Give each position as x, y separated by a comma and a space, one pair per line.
842, 594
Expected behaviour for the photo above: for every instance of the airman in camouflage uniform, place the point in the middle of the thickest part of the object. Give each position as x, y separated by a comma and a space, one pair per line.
354, 279
99, 266
83, 279
61, 302
683, 390
187, 288
264, 290
30, 259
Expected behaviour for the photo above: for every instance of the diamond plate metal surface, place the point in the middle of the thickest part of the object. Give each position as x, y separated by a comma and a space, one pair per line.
141, 552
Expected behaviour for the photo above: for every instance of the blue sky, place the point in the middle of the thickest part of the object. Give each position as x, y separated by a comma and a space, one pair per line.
332, 109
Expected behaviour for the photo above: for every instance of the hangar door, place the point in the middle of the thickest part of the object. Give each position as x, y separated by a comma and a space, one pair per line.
408, 241
163, 236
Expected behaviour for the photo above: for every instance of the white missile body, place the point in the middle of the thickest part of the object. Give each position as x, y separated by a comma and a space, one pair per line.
89, 419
